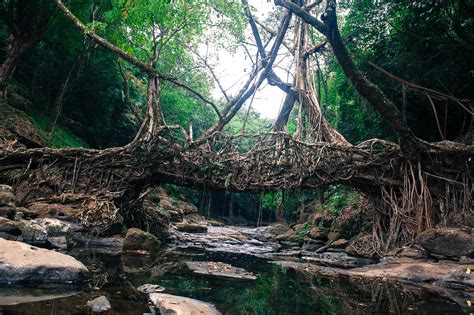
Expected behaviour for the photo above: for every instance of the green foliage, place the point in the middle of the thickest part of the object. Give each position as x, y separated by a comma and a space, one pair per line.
339, 197
304, 230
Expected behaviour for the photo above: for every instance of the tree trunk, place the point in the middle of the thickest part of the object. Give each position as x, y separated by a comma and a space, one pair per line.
17, 47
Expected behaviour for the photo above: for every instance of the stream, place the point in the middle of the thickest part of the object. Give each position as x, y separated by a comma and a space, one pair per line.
277, 289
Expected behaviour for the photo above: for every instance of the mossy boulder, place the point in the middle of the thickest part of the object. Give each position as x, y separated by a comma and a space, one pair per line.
138, 240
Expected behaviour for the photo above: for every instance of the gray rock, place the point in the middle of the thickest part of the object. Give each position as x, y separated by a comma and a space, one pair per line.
450, 242
32, 232
58, 242
100, 304
191, 227
173, 304
137, 239
54, 227
23, 263
150, 288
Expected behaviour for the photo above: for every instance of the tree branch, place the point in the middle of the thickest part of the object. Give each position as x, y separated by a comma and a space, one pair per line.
131, 59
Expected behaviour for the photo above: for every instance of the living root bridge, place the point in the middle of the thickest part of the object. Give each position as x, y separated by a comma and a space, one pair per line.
412, 195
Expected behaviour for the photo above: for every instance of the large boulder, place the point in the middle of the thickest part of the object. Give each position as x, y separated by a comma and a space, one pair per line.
449, 242
23, 263
138, 240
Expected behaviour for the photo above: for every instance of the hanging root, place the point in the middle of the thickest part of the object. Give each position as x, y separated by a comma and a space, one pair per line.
98, 215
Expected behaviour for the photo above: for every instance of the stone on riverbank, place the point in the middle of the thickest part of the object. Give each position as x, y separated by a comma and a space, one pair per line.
219, 269
450, 242
23, 263
178, 305
138, 240
100, 304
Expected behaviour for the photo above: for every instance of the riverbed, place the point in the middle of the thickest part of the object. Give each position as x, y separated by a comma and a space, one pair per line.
277, 290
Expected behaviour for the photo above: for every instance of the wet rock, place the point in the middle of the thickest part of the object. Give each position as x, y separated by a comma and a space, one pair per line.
219, 269
311, 247
20, 263
338, 260
318, 234
59, 242
266, 233
340, 243
138, 240
137, 264
450, 242
191, 227
100, 304
150, 288
178, 305
7, 197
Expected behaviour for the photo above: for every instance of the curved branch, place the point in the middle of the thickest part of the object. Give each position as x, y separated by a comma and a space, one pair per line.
131, 59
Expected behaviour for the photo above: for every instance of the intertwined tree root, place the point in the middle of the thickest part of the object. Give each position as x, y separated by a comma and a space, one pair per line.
412, 195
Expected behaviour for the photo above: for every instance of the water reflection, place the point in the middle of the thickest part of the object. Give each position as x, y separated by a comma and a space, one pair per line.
276, 291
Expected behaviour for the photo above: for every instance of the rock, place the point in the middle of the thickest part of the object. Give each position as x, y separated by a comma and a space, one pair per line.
317, 234
289, 236
7, 212
178, 305
191, 228
54, 227
362, 245
338, 260
23, 263
9, 227
32, 232
340, 243
322, 219
334, 236
100, 304
150, 288
7, 197
58, 242
449, 242
62, 212
311, 247
413, 253
136, 240
219, 269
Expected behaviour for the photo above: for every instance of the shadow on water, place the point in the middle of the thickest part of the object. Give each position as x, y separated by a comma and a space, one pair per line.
276, 291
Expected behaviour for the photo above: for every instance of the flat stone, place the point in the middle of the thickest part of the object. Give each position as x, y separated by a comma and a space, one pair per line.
449, 242
150, 288
100, 304
191, 227
219, 269
23, 263
178, 305
340, 243
338, 260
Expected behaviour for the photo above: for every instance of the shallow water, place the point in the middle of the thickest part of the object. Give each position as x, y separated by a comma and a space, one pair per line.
276, 291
